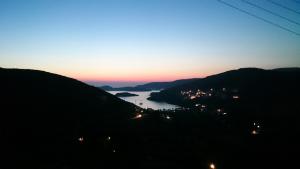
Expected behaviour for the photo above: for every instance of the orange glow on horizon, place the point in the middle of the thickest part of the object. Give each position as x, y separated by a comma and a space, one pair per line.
156, 75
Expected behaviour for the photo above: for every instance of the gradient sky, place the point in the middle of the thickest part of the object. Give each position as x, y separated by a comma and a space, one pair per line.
145, 40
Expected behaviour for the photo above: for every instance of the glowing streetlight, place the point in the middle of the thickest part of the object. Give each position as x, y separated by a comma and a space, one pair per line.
138, 116
193, 97
254, 132
235, 97
212, 166
80, 139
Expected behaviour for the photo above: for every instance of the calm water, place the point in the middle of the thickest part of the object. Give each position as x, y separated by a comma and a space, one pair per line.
142, 98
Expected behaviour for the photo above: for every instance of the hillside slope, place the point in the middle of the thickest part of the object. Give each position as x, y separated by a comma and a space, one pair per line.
248, 82
43, 115
247, 93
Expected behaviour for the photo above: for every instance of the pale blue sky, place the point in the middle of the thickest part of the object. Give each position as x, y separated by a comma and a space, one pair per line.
145, 40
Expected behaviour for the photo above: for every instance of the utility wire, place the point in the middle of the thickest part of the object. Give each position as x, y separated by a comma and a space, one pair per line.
285, 7
258, 17
271, 12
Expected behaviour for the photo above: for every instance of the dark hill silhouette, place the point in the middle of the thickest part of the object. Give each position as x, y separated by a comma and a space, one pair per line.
150, 86
53, 122
42, 114
253, 83
125, 94
271, 95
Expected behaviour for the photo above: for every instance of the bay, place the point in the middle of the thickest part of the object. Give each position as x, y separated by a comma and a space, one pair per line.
141, 100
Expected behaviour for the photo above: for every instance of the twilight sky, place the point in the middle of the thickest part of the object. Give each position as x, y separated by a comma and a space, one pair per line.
147, 40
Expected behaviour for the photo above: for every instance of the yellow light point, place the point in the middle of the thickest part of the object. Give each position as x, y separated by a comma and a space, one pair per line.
108, 138
254, 132
80, 139
235, 97
212, 166
138, 116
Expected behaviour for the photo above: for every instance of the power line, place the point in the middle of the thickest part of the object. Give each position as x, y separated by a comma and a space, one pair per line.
271, 12
285, 7
258, 17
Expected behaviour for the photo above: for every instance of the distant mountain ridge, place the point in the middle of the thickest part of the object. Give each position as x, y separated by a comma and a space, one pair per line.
150, 86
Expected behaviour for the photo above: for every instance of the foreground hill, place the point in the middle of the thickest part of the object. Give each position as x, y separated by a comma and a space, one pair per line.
150, 86
246, 94
249, 83
41, 112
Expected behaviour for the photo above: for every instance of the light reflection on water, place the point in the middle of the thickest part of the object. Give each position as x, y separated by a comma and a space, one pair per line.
142, 98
